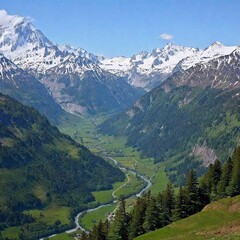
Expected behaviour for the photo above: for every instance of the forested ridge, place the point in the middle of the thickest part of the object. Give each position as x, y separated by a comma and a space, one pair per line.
39, 166
167, 126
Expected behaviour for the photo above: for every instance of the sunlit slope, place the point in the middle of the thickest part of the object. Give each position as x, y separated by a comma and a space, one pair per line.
218, 220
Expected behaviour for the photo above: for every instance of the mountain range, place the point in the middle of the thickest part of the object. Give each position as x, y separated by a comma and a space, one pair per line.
83, 83
189, 120
173, 81
67, 75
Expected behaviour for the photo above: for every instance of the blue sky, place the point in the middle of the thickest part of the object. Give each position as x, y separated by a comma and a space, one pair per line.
125, 27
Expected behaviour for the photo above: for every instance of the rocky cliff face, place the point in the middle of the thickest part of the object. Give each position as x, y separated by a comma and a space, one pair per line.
82, 87
24, 87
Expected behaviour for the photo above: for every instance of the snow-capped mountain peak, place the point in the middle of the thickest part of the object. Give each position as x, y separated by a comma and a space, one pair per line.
17, 32
155, 65
215, 50
28, 47
65, 70
216, 43
25, 45
79, 52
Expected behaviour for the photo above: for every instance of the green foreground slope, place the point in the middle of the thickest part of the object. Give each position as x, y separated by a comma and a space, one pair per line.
218, 220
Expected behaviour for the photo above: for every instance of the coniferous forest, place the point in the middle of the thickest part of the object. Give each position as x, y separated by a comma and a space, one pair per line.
152, 212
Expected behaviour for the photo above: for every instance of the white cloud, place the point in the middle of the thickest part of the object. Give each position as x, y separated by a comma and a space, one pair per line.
11, 20
166, 36
3, 17
6, 19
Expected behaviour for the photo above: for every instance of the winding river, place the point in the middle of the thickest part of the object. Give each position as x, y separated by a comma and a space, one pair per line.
76, 219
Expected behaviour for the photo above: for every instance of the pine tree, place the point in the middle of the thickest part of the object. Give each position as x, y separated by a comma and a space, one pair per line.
180, 210
106, 227
84, 236
98, 232
101, 231
137, 219
94, 233
120, 223
234, 185
168, 203
161, 213
206, 181
216, 175
225, 178
204, 197
193, 204
1, 237
151, 216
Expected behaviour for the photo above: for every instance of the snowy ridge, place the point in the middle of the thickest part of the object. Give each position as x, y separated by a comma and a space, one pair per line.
79, 52
158, 60
148, 70
214, 51
73, 64
222, 73
27, 47
156, 66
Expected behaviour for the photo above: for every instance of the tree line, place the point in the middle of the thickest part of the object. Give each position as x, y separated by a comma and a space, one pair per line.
151, 212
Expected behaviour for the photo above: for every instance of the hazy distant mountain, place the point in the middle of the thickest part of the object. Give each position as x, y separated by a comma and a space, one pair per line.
214, 51
148, 70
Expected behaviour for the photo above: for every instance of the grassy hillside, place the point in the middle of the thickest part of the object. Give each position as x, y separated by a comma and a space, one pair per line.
42, 169
218, 220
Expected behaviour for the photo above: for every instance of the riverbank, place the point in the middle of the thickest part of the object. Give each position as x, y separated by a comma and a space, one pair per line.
114, 150
76, 219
